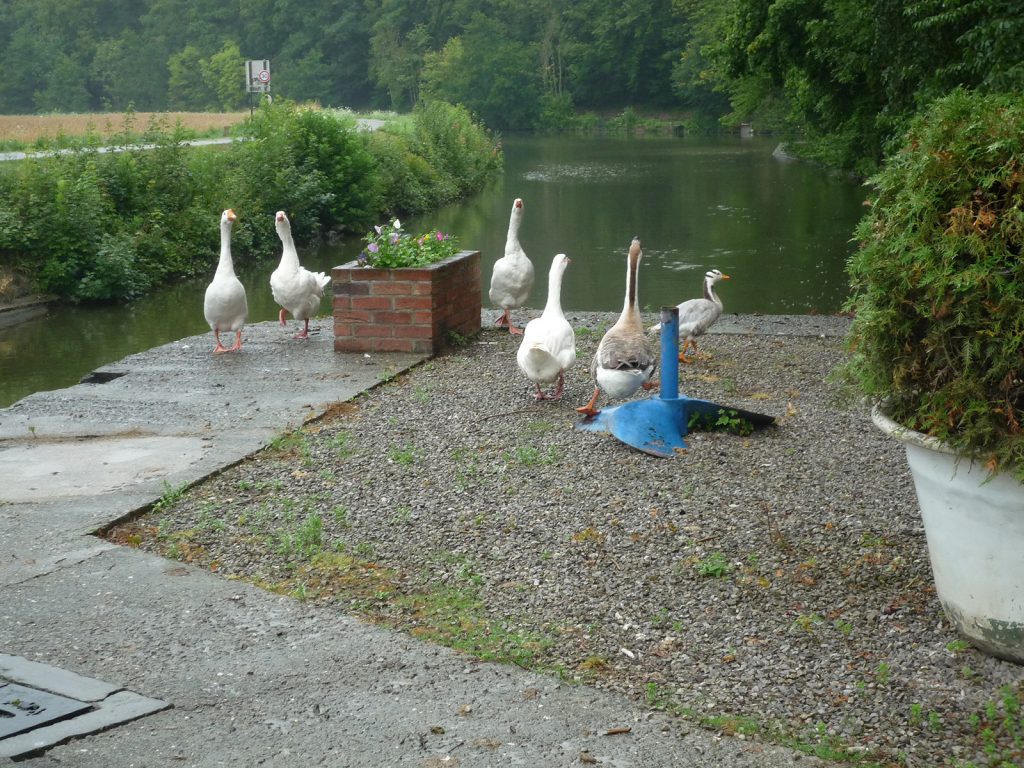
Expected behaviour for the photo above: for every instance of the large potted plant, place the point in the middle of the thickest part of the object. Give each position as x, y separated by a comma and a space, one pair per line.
937, 344
406, 293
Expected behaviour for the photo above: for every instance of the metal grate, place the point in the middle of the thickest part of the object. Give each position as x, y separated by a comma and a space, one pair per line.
23, 709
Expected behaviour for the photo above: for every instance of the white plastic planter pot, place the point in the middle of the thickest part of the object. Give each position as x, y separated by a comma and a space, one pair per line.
974, 525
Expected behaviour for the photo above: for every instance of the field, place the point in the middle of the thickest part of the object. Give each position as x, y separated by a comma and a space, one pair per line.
26, 130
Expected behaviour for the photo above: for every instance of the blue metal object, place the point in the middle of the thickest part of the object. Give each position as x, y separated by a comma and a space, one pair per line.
657, 425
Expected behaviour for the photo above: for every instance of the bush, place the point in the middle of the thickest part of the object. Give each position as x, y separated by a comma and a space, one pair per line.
938, 280
461, 152
310, 163
100, 227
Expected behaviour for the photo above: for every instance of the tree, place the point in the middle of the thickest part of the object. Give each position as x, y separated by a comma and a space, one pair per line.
186, 88
222, 74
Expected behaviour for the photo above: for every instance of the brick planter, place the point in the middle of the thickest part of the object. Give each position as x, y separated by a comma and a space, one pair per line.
406, 310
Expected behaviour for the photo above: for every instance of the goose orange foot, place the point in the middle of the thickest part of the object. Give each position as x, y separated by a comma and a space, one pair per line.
688, 344
589, 410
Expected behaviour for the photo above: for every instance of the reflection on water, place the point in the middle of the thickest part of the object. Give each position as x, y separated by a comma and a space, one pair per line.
780, 229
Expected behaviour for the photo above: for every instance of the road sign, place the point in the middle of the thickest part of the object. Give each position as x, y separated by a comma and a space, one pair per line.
257, 75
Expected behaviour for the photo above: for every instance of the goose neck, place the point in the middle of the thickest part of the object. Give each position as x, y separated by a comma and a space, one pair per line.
554, 303
709, 291
225, 265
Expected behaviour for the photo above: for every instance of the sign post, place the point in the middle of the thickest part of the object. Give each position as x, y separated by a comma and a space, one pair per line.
257, 78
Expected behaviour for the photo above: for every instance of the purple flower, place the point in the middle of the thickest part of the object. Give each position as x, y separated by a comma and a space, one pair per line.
394, 238
373, 248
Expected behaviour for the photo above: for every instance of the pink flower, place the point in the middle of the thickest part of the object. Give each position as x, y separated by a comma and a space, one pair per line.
440, 235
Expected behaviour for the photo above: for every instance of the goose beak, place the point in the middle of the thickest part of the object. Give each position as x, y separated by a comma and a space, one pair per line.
231, 214
726, 277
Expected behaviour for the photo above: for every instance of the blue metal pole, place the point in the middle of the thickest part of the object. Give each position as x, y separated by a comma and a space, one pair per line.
669, 353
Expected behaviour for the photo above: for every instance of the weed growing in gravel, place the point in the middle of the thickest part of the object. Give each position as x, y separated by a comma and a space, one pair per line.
304, 541
531, 456
539, 427
405, 455
456, 617
340, 515
589, 535
172, 495
727, 420
290, 442
403, 516
655, 698
342, 445
365, 549
715, 565
807, 622
206, 519
466, 474
164, 529
958, 646
1000, 729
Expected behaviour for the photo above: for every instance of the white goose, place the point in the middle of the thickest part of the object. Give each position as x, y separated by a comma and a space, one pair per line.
512, 278
697, 315
549, 342
297, 290
625, 360
224, 305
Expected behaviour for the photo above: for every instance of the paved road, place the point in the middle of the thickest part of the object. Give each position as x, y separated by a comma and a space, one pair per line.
211, 672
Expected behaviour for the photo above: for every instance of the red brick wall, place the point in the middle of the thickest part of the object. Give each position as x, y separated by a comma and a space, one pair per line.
406, 310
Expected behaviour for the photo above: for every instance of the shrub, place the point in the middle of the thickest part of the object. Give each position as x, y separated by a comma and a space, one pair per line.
938, 280
96, 226
461, 151
310, 163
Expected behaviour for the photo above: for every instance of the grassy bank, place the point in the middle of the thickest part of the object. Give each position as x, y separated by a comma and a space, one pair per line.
92, 226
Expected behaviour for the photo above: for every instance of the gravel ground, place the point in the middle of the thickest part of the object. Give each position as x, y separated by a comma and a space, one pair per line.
774, 585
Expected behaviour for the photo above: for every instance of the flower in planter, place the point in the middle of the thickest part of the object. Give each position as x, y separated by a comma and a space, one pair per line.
389, 246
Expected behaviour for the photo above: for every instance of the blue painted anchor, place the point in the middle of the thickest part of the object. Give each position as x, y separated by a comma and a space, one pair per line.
657, 425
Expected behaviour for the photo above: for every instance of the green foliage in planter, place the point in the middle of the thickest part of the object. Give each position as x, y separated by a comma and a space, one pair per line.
938, 280
388, 246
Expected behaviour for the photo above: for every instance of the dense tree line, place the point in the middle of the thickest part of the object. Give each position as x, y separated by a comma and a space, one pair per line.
846, 74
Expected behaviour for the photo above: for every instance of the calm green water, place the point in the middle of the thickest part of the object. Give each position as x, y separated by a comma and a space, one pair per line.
780, 229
